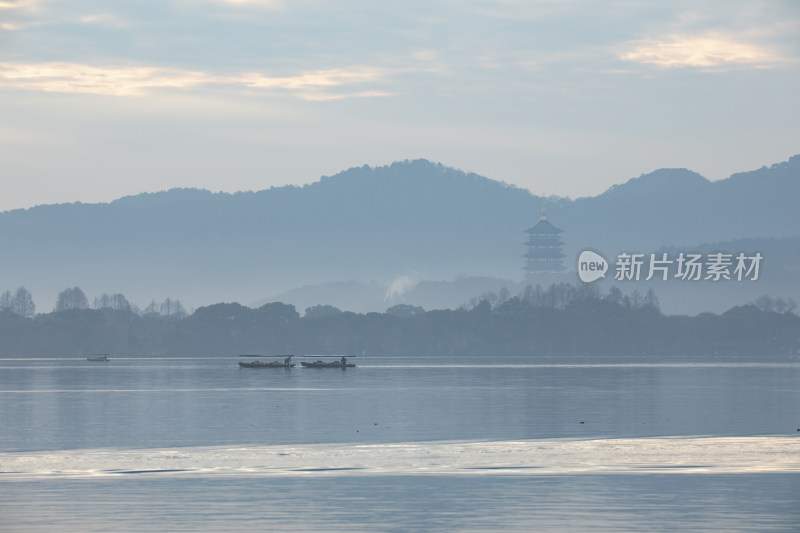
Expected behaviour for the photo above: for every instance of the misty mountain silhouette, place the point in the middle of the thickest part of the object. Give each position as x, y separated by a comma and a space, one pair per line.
410, 218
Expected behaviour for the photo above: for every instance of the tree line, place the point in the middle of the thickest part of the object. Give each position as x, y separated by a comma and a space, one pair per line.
19, 303
73, 298
558, 320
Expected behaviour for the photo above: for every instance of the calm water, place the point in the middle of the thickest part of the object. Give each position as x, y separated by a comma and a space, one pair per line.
48, 405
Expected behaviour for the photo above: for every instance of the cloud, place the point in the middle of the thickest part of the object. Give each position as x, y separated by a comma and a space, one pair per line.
705, 51
21, 6
321, 97
137, 81
77, 78
316, 78
314, 85
18, 4
273, 4
104, 19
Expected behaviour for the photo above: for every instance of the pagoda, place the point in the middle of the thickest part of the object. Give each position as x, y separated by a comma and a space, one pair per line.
544, 247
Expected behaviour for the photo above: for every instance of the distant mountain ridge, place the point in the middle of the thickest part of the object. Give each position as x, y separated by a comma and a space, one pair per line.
410, 218
680, 207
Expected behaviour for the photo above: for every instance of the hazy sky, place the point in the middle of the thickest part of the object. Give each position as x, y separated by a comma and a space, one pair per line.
103, 99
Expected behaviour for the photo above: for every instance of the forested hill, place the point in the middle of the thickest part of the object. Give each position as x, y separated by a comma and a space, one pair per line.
367, 224
560, 320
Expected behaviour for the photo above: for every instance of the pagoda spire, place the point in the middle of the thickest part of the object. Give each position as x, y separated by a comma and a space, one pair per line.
544, 255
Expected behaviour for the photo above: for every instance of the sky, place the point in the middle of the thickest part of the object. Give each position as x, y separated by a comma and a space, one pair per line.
100, 100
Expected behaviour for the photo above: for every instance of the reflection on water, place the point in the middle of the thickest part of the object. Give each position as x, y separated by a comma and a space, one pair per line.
678, 455
151, 404
613, 503
70, 404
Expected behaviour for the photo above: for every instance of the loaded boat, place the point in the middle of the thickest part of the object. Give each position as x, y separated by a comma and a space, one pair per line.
340, 363
287, 363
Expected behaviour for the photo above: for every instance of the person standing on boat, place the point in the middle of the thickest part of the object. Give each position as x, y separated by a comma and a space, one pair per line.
287, 361
344, 361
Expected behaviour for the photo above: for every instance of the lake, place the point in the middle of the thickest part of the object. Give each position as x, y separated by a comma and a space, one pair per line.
400, 444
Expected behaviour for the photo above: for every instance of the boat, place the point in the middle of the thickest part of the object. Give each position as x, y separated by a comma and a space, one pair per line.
342, 363
98, 357
286, 363
260, 364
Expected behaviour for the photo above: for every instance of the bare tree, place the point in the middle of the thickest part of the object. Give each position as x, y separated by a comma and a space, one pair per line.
503, 296
637, 300
777, 305
73, 298
587, 291
102, 302
22, 303
615, 296
166, 307
5, 301
116, 301
534, 296
151, 308
765, 303
120, 303
651, 300
170, 307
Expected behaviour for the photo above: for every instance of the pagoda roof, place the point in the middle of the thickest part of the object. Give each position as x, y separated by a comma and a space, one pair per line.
544, 226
